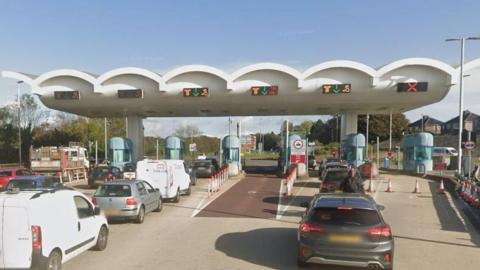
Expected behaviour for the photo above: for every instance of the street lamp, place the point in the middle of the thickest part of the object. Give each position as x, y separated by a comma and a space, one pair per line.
19, 124
460, 107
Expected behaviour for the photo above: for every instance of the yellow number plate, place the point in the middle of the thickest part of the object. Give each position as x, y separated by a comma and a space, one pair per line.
341, 238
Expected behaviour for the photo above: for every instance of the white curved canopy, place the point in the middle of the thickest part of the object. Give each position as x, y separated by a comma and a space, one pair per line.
99, 94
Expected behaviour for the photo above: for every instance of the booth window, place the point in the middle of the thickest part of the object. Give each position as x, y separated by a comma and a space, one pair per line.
423, 153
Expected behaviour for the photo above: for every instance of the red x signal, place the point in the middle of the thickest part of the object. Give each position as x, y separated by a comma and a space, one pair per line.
412, 87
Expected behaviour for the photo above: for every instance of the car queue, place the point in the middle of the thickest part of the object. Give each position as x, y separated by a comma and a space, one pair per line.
342, 225
35, 235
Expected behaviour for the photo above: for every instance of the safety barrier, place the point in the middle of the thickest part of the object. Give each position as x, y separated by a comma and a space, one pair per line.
470, 193
291, 177
217, 180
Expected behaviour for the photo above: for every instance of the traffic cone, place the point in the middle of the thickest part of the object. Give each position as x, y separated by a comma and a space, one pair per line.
417, 187
442, 188
389, 187
370, 186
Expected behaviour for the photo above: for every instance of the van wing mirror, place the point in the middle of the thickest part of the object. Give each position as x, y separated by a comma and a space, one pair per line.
97, 211
305, 204
380, 207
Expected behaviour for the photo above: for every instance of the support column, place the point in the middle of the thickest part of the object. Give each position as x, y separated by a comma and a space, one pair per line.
349, 124
135, 133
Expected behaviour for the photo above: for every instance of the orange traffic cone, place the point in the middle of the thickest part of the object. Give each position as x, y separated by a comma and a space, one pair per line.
417, 187
441, 190
370, 186
389, 187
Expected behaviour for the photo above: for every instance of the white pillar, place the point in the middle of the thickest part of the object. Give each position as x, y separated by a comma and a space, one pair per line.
135, 133
349, 124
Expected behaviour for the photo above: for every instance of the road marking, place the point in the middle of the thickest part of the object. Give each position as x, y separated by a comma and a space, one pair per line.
199, 206
280, 213
279, 205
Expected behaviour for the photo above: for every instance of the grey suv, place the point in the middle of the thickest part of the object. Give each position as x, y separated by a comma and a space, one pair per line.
346, 230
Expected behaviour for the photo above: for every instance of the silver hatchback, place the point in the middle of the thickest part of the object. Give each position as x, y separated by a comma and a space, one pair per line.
127, 199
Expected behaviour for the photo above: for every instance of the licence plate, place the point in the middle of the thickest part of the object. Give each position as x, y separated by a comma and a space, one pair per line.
111, 212
343, 238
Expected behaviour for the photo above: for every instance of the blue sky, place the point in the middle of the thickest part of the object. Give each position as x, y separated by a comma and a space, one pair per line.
96, 36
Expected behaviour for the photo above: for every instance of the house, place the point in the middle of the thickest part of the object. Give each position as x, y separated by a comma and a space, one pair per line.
426, 124
471, 122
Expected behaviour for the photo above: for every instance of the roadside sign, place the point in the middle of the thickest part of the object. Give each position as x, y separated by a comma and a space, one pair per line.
298, 147
294, 159
192, 147
469, 145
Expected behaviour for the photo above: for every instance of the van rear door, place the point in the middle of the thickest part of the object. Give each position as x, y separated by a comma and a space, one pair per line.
16, 234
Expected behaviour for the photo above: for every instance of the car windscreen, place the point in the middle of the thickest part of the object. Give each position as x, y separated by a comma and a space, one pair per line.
202, 164
100, 172
5, 173
113, 191
22, 184
335, 176
345, 217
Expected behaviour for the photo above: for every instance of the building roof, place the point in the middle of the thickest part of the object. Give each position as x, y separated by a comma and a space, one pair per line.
467, 116
427, 120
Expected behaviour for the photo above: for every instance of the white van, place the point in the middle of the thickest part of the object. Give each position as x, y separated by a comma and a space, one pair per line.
170, 176
43, 229
444, 151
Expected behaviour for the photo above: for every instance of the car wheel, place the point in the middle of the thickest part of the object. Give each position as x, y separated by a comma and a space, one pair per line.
141, 216
54, 261
159, 206
301, 263
177, 197
102, 239
189, 191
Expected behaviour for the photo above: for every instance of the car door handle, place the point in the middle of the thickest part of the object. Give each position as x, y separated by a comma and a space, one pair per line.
79, 226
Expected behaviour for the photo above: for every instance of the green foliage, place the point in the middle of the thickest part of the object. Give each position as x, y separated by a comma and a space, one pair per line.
379, 125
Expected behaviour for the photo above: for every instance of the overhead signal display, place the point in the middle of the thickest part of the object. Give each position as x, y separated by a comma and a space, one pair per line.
412, 87
264, 90
130, 93
67, 95
195, 92
345, 88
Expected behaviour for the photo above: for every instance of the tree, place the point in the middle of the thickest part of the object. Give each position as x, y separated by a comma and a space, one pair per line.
379, 125
270, 140
187, 131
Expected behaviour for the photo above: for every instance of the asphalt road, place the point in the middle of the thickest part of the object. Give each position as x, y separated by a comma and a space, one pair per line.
248, 225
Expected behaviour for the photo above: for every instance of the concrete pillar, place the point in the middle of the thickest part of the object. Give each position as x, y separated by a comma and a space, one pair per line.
349, 124
135, 133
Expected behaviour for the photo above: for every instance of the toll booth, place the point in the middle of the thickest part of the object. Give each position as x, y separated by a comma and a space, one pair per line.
174, 148
231, 154
353, 149
417, 152
120, 152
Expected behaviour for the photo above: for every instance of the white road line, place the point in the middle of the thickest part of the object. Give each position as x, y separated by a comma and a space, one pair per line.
280, 213
199, 207
279, 205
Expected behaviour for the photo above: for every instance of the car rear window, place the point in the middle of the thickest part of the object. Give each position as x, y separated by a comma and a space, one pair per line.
22, 184
345, 217
5, 173
113, 191
335, 176
202, 164
100, 172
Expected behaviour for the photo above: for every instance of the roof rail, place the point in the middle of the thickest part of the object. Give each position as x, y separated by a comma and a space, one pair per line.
51, 190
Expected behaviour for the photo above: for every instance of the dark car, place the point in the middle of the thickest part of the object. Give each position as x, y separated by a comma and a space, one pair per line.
34, 182
345, 230
330, 165
332, 179
205, 168
103, 173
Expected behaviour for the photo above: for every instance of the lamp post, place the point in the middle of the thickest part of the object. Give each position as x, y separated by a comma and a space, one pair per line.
19, 124
460, 107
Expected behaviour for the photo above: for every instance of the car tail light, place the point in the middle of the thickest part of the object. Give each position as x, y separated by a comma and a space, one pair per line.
388, 257
327, 186
306, 228
131, 201
94, 201
384, 232
36, 238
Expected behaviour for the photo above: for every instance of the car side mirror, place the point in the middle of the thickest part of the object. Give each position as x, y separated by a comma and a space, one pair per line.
97, 211
380, 207
305, 204
157, 189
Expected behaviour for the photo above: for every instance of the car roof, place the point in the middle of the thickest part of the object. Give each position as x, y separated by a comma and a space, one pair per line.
336, 164
353, 200
31, 177
342, 169
122, 182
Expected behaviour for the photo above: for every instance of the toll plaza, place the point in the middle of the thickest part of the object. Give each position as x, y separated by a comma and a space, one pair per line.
251, 221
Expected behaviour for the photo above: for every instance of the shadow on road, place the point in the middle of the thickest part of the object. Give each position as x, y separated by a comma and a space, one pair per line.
274, 248
293, 201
